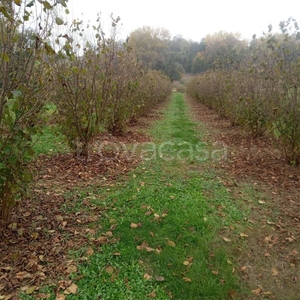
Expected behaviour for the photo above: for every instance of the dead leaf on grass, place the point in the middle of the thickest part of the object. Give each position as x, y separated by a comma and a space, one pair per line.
147, 276
226, 239
243, 269
30, 290
89, 251
72, 269
294, 253
145, 246
274, 271
156, 216
186, 279
72, 289
42, 296
134, 225
171, 243
244, 235
109, 269
257, 292
152, 295
101, 240
232, 294
160, 278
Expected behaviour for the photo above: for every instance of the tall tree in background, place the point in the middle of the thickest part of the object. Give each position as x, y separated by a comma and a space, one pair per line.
149, 45
220, 50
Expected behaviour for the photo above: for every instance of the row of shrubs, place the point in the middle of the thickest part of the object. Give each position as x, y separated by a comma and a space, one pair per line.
95, 92
261, 106
95, 85
261, 92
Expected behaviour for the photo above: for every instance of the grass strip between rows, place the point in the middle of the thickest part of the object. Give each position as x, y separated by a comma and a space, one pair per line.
166, 228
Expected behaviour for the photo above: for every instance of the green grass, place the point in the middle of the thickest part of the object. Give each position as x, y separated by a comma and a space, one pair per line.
176, 205
182, 226
50, 141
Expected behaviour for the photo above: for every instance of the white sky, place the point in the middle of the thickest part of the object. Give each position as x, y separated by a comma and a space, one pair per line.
191, 18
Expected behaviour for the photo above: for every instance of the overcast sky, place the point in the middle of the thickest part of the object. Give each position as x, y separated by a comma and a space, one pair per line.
191, 18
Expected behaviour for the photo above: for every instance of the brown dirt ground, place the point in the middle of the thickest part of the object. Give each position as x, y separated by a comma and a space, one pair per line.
269, 259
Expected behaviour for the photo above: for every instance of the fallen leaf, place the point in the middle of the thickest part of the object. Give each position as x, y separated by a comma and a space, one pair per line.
60, 297
232, 294
109, 233
268, 238
243, 269
294, 253
142, 246
42, 296
215, 272
7, 297
149, 249
160, 278
41, 257
158, 250
152, 295
13, 226
147, 276
109, 269
72, 289
23, 275
244, 235
156, 216
145, 246
186, 279
267, 293
89, 251
257, 291
270, 223
30, 290
35, 235
134, 225
290, 239
226, 239
72, 269
274, 271
101, 240
171, 243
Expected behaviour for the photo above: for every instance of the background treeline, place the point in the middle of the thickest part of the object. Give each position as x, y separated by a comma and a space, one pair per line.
68, 76
255, 85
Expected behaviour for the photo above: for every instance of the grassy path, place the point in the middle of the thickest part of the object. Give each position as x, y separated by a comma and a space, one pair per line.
167, 232
161, 225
